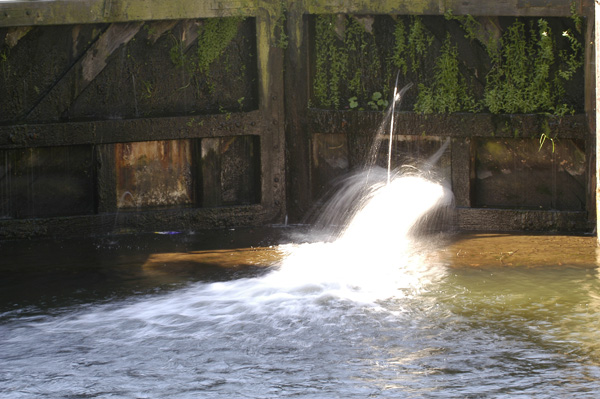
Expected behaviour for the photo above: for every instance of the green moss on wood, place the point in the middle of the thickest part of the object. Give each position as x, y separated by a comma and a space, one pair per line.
214, 36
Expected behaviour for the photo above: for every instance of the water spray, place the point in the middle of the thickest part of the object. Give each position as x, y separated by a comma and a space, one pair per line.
397, 97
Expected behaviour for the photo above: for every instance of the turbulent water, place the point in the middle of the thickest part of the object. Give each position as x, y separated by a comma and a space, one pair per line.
379, 311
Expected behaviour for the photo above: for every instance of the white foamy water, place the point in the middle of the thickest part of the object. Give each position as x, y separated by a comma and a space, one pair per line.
376, 255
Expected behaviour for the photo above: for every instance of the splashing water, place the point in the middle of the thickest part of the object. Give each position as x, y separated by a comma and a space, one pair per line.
374, 251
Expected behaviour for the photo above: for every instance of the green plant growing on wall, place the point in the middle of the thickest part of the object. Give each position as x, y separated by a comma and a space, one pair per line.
342, 45
576, 18
571, 59
472, 29
331, 63
240, 102
527, 73
410, 50
522, 79
150, 31
419, 41
545, 136
377, 101
448, 92
355, 43
399, 55
214, 36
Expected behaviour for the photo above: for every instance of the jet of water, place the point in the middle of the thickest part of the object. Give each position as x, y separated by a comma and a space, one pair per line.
397, 98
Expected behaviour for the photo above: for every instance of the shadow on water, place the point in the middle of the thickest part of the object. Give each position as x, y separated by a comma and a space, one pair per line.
49, 275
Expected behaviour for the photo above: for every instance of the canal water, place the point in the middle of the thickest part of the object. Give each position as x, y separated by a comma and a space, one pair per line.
270, 313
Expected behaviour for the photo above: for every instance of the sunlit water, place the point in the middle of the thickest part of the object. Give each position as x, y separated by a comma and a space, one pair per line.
373, 313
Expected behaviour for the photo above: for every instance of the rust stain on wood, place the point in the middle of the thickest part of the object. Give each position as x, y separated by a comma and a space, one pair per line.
154, 173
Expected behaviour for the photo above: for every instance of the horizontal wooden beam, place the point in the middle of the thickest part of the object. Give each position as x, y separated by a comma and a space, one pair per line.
59, 12
512, 220
130, 130
452, 125
320, 121
191, 219
545, 8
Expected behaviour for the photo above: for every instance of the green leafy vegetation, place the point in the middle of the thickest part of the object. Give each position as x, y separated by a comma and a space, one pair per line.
528, 73
520, 80
377, 101
527, 70
419, 41
331, 63
347, 62
399, 55
449, 92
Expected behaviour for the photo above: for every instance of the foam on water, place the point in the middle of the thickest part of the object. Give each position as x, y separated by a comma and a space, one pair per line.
378, 254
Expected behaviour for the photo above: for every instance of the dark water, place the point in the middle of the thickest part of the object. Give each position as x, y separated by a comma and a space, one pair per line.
230, 315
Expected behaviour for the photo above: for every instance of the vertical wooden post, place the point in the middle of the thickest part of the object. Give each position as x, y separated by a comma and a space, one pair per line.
271, 96
297, 134
597, 107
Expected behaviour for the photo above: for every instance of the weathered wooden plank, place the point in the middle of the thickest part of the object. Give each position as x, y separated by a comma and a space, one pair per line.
211, 173
453, 125
512, 220
554, 8
154, 174
461, 171
271, 104
296, 75
128, 130
597, 118
25, 13
83, 72
47, 182
13, 35
137, 222
106, 180
157, 28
